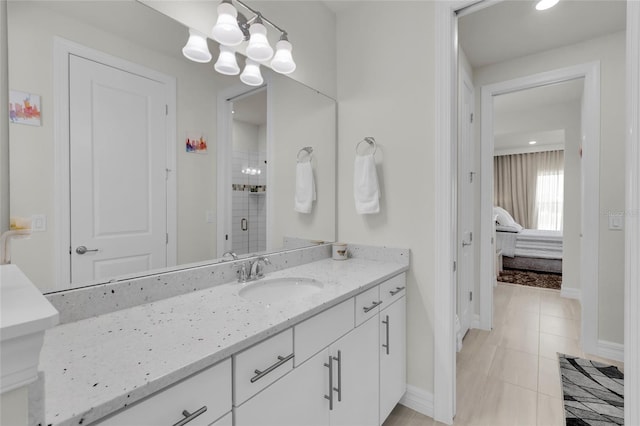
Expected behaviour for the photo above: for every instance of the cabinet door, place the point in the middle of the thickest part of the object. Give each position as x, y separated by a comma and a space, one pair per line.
393, 353
356, 374
224, 421
297, 399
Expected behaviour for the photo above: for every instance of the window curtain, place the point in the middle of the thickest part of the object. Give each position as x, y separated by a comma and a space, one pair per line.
530, 187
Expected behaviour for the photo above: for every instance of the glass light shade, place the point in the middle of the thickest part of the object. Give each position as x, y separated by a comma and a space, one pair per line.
283, 61
196, 48
226, 30
259, 48
546, 4
227, 63
251, 73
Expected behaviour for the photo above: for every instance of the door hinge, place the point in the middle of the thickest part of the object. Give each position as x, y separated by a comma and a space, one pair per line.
471, 120
491, 240
166, 110
226, 237
470, 237
455, 266
471, 176
167, 238
470, 296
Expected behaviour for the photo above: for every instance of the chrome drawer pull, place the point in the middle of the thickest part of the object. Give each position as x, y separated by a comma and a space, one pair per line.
396, 291
339, 388
330, 396
386, 323
373, 305
260, 374
190, 416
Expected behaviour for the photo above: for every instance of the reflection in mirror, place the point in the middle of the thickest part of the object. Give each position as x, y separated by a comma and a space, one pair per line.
126, 169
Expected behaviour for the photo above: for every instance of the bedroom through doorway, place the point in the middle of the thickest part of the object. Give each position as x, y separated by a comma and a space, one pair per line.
537, 184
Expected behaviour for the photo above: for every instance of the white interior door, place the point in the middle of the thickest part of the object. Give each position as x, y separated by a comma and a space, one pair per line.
118, 166
465, 204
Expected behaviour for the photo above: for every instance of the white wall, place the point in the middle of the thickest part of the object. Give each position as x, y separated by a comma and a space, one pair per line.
386, 90
32, 148
610, 51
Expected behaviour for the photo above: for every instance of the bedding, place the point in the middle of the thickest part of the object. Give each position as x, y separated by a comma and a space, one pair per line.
530, 243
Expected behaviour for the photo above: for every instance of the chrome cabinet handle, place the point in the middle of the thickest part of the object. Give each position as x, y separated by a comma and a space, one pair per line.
339, 388
190, 416
330, 396
386, 323
396, 291
373, 305
260, 374
83, 250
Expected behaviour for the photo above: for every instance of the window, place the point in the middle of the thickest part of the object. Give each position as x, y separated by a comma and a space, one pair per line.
549, 200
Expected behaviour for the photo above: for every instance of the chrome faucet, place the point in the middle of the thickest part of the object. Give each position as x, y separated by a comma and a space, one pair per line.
230, 253
252, 270
257, 270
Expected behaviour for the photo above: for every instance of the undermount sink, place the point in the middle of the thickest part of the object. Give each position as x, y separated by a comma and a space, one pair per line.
280, 289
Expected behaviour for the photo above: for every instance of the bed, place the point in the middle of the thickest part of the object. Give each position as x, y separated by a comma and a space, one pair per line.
527, 249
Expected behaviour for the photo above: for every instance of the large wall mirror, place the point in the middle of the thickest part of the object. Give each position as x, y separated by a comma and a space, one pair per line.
163, 171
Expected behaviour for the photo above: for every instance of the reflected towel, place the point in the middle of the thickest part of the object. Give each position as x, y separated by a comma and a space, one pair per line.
365, 185
305, 188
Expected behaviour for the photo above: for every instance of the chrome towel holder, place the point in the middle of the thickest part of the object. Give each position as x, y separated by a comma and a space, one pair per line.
371, 141
308, 150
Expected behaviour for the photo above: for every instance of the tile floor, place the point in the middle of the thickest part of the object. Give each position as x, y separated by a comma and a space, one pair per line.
510, 376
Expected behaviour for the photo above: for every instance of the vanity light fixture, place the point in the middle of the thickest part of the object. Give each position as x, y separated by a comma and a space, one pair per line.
546, 4
230, 30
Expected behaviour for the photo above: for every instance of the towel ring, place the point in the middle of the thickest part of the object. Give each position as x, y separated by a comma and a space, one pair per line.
308, 150
371, 141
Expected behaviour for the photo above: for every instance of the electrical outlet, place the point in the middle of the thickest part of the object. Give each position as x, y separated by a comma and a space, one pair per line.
38, 223
616, 221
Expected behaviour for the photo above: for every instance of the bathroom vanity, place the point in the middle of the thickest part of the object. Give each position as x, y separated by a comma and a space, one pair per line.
316, 342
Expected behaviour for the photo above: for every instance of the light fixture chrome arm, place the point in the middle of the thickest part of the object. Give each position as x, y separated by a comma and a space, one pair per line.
259, 15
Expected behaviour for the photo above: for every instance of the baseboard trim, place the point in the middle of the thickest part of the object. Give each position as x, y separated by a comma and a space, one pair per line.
475, 322
610, 350
571, 293
418, 400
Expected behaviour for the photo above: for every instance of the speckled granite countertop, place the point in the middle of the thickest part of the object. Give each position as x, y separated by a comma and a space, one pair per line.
96, 366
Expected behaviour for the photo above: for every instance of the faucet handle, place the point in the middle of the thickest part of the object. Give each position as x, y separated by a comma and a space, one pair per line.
259, 271
243, 273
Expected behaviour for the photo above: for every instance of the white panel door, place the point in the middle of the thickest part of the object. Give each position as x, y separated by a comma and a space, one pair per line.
118, 164
465, 205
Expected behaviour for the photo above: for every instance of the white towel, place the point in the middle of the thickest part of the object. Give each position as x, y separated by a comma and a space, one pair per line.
365, 185
305, 188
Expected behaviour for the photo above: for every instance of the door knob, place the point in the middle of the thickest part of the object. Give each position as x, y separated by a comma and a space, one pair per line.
83, 250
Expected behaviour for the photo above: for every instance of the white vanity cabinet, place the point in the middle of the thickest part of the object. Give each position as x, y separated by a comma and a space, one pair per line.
393, 355
203, 399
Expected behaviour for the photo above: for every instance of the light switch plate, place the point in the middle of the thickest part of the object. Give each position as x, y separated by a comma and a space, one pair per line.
38, 223
616, 221
210, 216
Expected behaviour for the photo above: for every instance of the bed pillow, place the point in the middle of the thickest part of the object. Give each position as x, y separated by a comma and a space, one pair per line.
503, 218
516, 227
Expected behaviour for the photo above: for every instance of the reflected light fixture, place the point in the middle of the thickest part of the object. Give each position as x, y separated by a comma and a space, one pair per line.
251, 75
546, 4
230, 30
196, 48
532, 142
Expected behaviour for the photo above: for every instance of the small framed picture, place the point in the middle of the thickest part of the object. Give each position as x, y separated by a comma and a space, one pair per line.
196, 143
24, 108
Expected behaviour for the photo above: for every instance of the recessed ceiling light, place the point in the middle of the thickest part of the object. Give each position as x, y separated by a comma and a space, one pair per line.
532, 142
546, 4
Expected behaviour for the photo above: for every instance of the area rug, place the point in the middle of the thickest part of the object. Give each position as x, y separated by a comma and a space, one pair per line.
531, 279
593, 392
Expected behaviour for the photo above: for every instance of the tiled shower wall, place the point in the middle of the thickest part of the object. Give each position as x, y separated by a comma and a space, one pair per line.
249, 202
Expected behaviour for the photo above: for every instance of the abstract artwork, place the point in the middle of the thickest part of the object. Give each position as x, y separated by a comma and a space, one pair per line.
24, 108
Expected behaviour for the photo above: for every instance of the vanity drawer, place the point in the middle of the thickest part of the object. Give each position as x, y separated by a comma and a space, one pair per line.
262, 364
367, 305
393, 289
210, 388
318, 332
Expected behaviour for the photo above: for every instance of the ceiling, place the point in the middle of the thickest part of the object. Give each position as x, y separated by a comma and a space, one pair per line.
251, 109
514, 28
